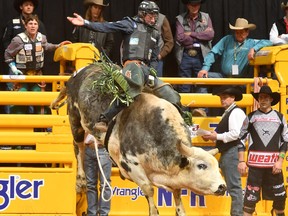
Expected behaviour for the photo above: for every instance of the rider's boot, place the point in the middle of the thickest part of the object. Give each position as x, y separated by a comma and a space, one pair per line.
108, 115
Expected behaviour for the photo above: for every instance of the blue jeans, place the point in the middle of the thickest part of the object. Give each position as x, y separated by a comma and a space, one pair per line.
96, 205
189, 67
160, 68
228, 163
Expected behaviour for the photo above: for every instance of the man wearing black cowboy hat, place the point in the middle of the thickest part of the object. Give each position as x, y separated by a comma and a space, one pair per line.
16, 25
226, 138
267, 144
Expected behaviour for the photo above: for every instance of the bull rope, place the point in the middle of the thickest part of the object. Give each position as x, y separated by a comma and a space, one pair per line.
102, 173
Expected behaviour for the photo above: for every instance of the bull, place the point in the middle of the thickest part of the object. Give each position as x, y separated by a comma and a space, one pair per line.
149, 142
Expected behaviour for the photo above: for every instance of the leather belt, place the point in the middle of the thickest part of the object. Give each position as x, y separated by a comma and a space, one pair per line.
92, 145
193, 51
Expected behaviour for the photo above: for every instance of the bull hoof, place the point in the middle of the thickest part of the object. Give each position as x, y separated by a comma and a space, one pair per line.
81, 184
121, 176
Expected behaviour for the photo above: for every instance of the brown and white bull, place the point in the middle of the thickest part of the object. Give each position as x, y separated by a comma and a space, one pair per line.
149, 142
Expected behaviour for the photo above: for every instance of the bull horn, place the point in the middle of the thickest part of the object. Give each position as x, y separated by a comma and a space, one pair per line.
183, 149
213, 151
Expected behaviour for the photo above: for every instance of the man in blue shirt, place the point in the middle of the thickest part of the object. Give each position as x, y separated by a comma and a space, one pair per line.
235, 51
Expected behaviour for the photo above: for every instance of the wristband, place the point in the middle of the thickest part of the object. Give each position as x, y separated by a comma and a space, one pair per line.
242, 161
282, 155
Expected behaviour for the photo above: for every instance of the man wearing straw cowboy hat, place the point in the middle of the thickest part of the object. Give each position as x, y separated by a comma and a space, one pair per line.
279, 30
267, 145
235, 51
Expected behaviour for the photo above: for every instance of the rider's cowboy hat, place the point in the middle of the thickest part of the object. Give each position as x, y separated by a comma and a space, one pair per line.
230, 90
241, 24
284, 6
96, 2
192, 1
18, 3
267, 90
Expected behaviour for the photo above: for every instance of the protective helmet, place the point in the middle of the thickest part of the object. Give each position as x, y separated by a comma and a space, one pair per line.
148, 7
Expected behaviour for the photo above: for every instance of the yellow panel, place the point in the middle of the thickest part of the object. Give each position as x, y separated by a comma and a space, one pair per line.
41, 193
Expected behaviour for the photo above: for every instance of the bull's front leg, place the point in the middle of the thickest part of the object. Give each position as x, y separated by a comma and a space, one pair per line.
180, 211
79, 149
148, 190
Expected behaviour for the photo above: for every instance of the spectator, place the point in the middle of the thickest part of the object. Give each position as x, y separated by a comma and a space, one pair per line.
140, 51
25, 55
103, 42
226, 136
279, 30
96, 204
94, 13
166, 41
194, 33
268, 136
16, 25
235, 51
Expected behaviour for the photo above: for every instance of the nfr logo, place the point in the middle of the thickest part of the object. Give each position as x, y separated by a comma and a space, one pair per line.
165, 198
14, 187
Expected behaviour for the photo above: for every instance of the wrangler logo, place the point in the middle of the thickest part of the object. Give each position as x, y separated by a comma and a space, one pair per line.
262, 159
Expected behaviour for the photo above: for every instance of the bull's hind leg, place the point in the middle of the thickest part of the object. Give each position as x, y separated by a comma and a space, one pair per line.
180, 211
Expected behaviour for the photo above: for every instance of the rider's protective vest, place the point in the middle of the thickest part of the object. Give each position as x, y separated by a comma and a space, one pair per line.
140, 44
31, 57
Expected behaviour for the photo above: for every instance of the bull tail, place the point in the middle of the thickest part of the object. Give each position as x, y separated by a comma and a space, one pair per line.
56, 103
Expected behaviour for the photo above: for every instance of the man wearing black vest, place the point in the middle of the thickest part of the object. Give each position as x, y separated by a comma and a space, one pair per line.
226, 138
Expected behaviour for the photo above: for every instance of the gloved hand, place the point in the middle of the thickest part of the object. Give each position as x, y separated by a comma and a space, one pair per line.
14, 69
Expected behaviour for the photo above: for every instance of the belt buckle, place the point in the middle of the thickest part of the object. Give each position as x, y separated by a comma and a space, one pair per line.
192, 52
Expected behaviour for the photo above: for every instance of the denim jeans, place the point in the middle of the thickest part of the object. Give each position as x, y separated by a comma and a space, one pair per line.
96, 205
160, 68
189, 67
228, 164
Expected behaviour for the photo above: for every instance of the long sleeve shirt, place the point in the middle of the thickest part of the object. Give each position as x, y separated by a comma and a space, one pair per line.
99, 39
167, 37
126, 26
16, 26
233, 53
206, 34
236, 119
17, 44
279, 36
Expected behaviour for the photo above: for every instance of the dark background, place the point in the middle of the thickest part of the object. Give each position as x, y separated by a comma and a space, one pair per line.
222, 12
